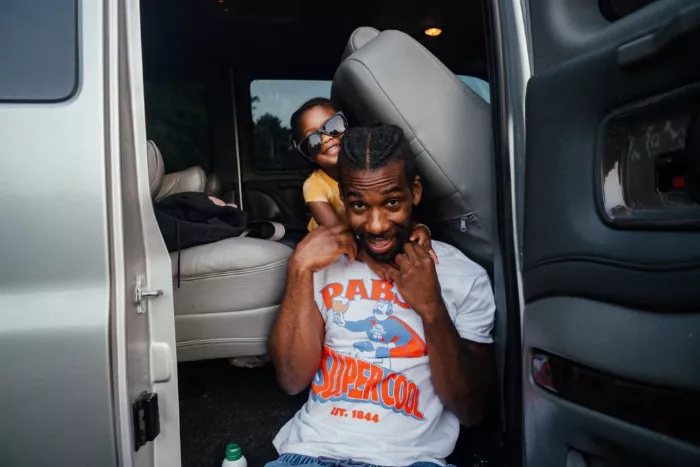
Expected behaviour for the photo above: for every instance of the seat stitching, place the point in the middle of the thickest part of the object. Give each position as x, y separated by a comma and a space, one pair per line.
173, 185
352, 41
221, 340
237, 272
202, 179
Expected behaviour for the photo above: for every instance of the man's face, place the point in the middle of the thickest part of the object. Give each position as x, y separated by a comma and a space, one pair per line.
379, 205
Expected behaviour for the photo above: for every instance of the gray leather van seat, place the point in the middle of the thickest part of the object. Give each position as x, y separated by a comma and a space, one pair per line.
389, 77
229, 291
191, 179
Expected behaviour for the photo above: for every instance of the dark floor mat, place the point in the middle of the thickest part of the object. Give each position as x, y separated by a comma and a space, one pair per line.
220, 404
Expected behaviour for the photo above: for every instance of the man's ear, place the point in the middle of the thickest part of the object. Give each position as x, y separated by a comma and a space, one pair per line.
417, 190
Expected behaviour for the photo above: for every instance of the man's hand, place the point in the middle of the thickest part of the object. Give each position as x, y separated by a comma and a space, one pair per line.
463, 372
416, 280
297, 336
320, 248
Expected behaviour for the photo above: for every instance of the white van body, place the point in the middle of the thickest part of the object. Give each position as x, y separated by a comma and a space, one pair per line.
76, 349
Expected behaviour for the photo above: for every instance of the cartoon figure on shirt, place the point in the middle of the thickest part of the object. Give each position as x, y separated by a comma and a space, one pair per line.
388, 335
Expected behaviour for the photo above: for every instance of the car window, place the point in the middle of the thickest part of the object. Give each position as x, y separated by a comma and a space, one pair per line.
272, 104
274, 101
176, 120
477, 85
38, 50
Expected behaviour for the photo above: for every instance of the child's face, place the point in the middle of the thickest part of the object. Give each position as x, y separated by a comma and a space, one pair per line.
311, 121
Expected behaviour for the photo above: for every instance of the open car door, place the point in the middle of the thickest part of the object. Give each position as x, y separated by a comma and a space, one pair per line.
144, 360
88, 371
611, 234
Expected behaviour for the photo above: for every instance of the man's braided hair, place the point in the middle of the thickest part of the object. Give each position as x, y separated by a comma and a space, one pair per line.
374, 147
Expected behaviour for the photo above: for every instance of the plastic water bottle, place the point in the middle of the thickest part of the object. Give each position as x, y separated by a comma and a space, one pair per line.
234, 456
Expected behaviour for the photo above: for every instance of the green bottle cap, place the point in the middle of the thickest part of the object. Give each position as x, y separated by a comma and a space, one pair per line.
233, 452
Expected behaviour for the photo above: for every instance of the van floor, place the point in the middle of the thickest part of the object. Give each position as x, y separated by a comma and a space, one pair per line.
220, 404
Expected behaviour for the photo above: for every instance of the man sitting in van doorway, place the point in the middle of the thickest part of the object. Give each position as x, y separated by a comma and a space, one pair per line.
371, 404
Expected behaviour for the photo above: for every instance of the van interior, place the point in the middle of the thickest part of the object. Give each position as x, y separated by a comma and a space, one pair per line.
222, 79
558, 145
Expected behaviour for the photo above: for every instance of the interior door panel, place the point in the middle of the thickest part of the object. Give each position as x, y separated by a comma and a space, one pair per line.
619, 304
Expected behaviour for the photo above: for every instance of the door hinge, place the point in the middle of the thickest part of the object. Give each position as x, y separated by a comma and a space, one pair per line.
141, 294
146, 419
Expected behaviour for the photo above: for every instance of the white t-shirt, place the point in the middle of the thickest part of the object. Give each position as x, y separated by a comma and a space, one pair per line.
373, 399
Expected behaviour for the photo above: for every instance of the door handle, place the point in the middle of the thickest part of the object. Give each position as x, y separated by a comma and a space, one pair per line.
650, 45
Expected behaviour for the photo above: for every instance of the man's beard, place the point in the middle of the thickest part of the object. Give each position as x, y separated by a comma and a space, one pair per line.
400, 232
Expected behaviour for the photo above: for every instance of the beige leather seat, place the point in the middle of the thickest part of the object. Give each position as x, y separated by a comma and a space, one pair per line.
191, 179
229, 292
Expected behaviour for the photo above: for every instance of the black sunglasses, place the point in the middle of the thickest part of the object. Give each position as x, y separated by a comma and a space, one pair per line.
335, 126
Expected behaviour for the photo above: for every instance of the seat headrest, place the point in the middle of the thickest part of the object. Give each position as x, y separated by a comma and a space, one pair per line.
192, 179
156, 167
358, 38
393, 79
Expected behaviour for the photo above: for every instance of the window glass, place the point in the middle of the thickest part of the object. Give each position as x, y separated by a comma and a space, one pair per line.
274, 101
272, 104
477, 85
38, 50
176, 120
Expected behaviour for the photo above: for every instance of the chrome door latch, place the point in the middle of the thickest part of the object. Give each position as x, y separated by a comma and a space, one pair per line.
142, 294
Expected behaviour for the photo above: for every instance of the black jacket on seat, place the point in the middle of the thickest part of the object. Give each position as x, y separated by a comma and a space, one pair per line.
190, 219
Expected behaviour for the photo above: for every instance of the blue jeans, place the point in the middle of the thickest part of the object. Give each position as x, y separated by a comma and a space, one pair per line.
288, 460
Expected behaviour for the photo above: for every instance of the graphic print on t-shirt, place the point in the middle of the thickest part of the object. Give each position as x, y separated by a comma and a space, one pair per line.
387, 335
364, 373
384, 413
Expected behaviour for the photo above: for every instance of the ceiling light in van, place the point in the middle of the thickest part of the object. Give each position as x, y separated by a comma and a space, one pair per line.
433, 32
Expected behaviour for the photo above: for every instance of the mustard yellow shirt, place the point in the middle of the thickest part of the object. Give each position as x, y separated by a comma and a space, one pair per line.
322, 187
